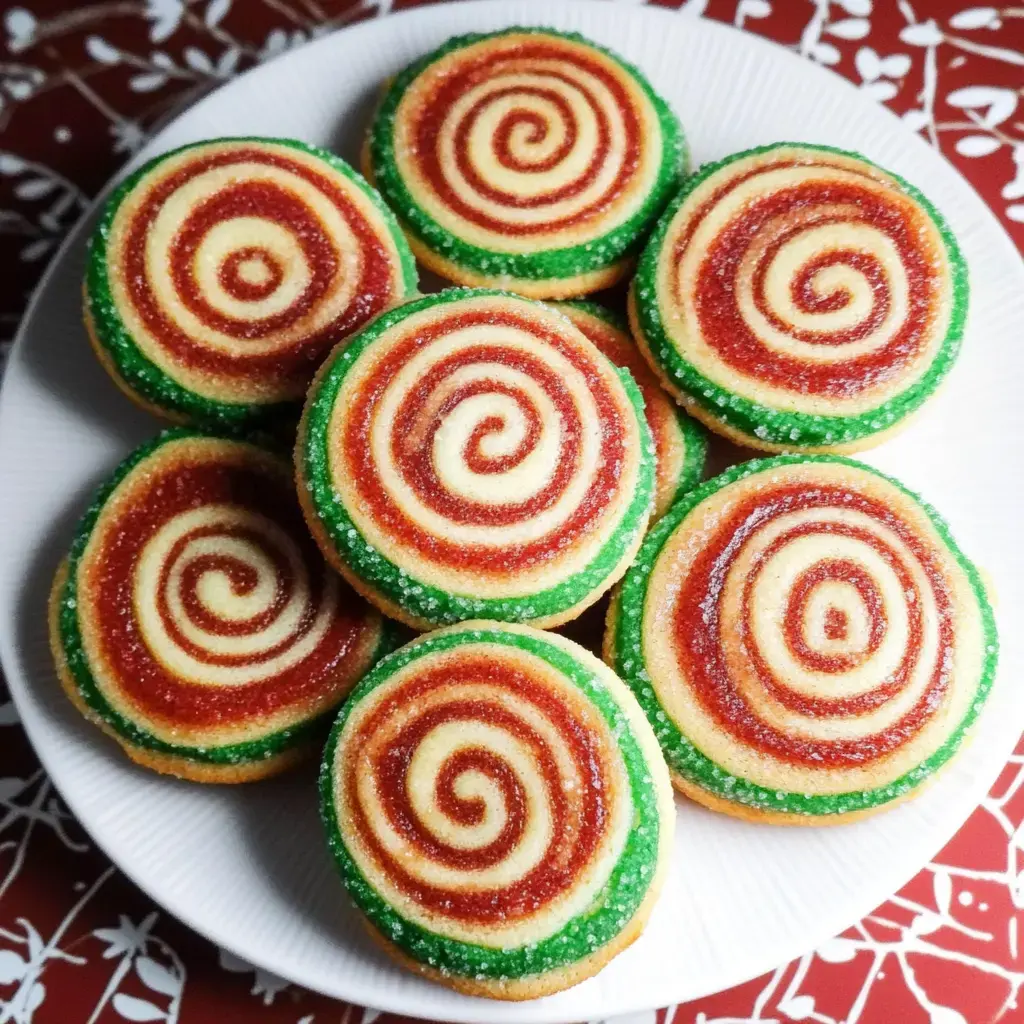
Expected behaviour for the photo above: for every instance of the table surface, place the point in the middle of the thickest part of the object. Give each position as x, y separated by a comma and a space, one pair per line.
82, 86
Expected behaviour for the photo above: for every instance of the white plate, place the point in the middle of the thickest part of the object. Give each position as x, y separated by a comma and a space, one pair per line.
247, 866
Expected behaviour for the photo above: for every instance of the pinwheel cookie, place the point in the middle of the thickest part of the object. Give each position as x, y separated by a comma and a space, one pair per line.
222, 273
471, 455
799, 297
528, 159
680, 443
806, 638
196, 622
498, 809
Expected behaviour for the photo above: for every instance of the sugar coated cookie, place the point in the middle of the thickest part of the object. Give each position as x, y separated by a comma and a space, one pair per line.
528, 159
681, 443
799, 297
196, 622
806, 638
471, 455
498, 809
222, 273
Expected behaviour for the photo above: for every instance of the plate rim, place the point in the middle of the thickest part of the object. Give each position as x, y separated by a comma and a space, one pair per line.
472, 1009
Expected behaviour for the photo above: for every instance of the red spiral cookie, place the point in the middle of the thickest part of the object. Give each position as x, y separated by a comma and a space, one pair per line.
680, 443
800, 297
526, 159
222, 273
471, 455
498, 809
196, 622
806, 638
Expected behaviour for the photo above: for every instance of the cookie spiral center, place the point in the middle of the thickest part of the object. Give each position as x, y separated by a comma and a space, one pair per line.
835, 615
223, 596
489, 793
251, 274
523, 138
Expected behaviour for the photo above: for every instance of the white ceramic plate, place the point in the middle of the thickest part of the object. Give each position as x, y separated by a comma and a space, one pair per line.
247, 866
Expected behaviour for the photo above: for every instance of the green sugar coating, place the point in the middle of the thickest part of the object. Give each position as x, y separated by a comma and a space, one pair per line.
695, 435
580, 937
70, 636
695, 453
545, 264
151, 382
692, 764
768, 423
595, 309
418, 598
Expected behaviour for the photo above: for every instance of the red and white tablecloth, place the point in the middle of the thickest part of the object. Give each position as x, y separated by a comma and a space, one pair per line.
82, 86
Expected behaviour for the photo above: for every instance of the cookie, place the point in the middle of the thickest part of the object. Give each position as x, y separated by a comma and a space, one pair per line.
222, 273
527, 159
806, 638
498, 809
680, 443
471, 455
195, 621
799, 297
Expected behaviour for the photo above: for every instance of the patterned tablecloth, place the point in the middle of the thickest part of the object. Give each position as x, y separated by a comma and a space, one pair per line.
82, 86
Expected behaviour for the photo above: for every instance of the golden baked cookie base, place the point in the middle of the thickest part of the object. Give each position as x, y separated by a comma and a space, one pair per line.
123, 386
536, 986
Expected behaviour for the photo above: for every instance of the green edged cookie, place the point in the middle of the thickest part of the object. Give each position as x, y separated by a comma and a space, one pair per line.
806, 638
498, 809
471, 455
526, 159
194, 619
222, 273
799, 297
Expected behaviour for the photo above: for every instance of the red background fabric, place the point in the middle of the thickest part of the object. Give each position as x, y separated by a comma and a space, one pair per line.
82, 86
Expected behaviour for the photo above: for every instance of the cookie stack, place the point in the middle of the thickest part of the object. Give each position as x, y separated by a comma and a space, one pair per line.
798, 640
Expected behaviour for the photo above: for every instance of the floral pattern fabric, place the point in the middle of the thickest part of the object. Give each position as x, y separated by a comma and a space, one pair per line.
82, 87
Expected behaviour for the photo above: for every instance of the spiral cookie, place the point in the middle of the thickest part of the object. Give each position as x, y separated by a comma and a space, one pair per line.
222, 273
498, 809
471, 455
196, 622
528, 159
806, 638
680, 443
799, 297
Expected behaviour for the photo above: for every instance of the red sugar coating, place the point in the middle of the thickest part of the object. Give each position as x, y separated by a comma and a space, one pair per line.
140, 675
658, 409
579, 816
412, 446
271, 202
499, 59
416, 462
700, 637
722, 324
231, 280
836, 624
